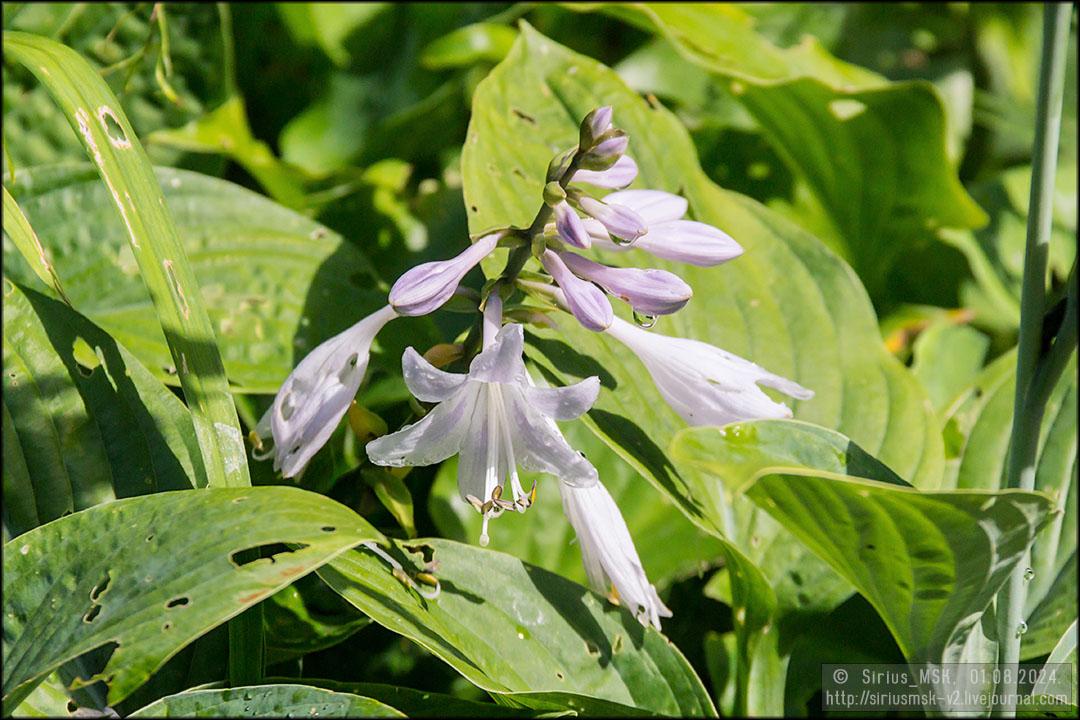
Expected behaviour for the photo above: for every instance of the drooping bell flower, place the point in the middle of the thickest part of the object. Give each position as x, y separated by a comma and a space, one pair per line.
426, 287
647, 291
587, 302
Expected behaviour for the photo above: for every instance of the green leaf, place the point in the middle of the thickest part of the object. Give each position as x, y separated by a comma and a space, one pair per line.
982, 417
93, 111
84, 421
528, 635
420, 703
468, 45
543, 536
328, 24
17, 227
272, 280
285, 700
306, 617
947, 359
929, 562
148, 575
874, 152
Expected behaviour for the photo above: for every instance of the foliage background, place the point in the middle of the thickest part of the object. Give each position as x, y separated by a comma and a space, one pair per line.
355, 116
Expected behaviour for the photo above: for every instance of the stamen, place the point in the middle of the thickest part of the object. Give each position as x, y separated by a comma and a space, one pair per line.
508, 443
613, 595
496, 493
475, 502
483, 533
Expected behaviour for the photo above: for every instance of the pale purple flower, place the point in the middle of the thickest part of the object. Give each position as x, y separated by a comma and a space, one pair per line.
619, 175
587, 302
312, 400
648, 291
611, 148
668, 237
703, 384
494, 419
620, 220
595, 124
427, 287
608, 554
570, 226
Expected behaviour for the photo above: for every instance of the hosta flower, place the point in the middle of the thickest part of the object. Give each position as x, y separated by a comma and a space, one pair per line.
315, 396
570, 226
619, 175
494, 419
620, 220
587, 302
668, 236
648, 291
428, 286
703, 384
607, 551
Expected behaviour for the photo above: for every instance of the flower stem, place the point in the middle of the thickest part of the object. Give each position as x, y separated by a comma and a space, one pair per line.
1031, 364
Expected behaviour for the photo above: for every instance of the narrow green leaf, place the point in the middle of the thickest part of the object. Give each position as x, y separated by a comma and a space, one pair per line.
526, 634
17, 227
285, 700
95, 114
150, 574
468, 45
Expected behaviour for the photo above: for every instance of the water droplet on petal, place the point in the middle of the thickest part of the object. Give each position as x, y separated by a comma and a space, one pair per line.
1029, 574
1021, 628
645, 321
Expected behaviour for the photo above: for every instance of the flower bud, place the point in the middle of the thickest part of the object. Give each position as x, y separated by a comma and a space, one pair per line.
553, 194
595, 124
620, 221
570, 227
647, 291
559, 163
426, 287
608, 149
619, 175
587, 302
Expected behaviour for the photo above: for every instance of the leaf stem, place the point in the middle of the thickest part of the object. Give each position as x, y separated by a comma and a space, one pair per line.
1031, 365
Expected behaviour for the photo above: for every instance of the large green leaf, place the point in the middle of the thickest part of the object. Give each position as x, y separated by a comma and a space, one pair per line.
788, 303
543, 536
93, 111
874, 152
286, 700
980, 421
420, 703
84, 421
272, 280
148, 575
534, 638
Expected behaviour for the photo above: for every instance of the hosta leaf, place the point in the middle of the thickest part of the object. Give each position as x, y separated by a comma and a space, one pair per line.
529, 635
84, 421
272, 280
981, 420
286, 700
787, 303
306, 617
420, 703
929, 562
134, 197
874, 152
148, 575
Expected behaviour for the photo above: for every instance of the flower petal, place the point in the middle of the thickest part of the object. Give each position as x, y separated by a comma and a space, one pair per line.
425, 381
654, 206
649, 291
587, 302
621, 174
539, 446
312, 400
428, 286
570, 226
436, 437
563, 403
501, 362
690, 242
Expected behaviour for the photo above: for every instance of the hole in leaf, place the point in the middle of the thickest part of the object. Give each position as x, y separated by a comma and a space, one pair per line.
871, 547
85, 358
591, 648
113, 129
519, 172
267, 552
92, 613
177, 602
166, 626
149, 537
72, 707
559, 675
328, 528
423, 549
473, 208
616, 646
100, 589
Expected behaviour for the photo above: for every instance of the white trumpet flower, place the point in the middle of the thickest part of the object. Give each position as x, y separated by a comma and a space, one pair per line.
494, 419
608, 554
702, 383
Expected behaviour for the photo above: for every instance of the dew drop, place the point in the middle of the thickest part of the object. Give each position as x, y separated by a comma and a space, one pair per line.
1021, 628
1029, 574
645, 321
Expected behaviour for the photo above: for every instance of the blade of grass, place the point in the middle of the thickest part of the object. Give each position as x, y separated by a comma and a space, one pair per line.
96, 116
26, 240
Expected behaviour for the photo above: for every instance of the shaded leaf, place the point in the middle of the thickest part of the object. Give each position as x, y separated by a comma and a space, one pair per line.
284, 700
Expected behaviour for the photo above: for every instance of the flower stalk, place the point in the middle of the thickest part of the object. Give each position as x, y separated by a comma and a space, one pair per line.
1031, 362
